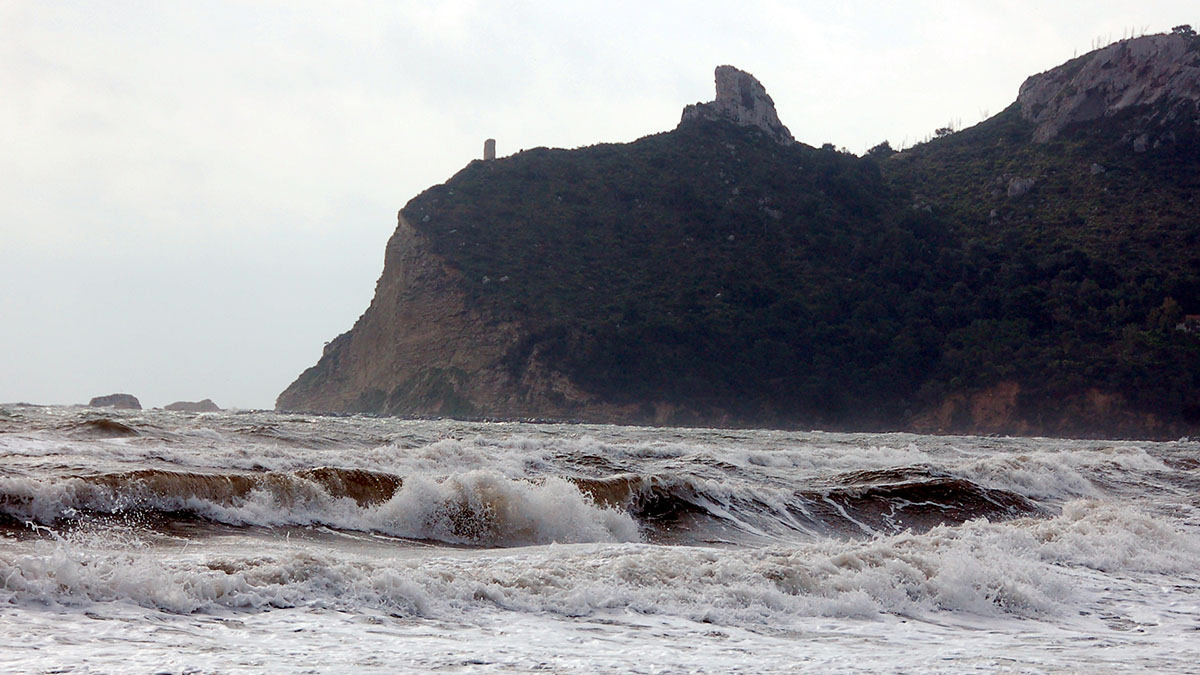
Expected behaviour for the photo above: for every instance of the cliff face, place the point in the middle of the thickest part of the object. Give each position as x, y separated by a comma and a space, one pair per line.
419, 349
1023, 276
412, 347
1138, 72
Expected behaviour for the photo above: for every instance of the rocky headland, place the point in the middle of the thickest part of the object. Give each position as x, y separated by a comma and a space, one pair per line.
1024, 276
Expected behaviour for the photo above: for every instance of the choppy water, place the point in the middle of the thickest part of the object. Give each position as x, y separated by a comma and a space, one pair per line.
259, 542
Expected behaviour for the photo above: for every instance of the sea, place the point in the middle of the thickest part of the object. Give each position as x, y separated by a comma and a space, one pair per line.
261, 542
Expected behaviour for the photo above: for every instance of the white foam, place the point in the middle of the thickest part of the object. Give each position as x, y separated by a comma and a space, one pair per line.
1109, 582
1027, 568
482, 507
479, 508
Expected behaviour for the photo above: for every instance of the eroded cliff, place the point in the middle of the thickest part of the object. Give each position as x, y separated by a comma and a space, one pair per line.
420, 349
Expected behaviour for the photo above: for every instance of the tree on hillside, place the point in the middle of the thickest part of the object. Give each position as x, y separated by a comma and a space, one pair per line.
882, 150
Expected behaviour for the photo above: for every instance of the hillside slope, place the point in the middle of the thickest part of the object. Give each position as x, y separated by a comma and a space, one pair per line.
1077, 209
1000, 279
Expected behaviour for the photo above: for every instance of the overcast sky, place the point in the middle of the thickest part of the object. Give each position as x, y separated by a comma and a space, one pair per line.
195, 196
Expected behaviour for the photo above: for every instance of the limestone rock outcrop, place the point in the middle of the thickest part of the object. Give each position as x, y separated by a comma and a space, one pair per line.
420, 349
1139, 71
743, 100
206, 405
122, 401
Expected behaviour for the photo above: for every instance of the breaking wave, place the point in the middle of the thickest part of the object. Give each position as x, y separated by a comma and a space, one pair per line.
860, 503
485, 508
478, 508
1028, 567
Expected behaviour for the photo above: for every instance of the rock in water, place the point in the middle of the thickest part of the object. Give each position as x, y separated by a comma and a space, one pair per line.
124, 401
194, 406
742, 100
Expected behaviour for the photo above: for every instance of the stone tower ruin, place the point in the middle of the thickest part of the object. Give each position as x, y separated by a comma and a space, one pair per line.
489, 149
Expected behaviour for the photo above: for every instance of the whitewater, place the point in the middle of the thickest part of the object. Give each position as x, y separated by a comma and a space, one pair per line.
161, 542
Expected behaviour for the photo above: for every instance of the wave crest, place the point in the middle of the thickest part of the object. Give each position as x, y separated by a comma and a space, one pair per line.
859, 503
1025, 567
478, 508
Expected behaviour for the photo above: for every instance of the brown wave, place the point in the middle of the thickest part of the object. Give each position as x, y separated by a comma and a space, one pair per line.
918, 504
673, 508
155, 493
10, 524
645, 497
102, 427
364, 487
867, 502
882, 476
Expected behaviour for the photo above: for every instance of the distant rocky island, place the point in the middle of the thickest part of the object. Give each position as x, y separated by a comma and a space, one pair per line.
119, 401
131, 402
206, 405
1036, 274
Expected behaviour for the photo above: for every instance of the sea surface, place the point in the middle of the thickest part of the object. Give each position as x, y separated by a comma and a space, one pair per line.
160, 542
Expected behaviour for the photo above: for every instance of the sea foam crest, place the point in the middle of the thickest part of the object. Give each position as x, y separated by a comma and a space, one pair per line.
483, 507
1027, 568
477, 507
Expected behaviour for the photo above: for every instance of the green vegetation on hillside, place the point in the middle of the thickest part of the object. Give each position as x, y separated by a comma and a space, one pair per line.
1065, 285
708, 266
713, 268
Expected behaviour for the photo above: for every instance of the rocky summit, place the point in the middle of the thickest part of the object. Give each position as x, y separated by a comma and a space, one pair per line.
1156, 69
743, 100
1038, 273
